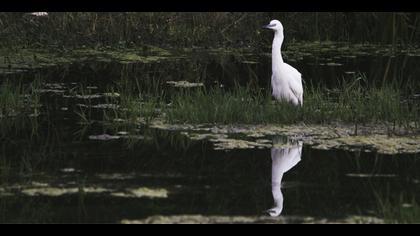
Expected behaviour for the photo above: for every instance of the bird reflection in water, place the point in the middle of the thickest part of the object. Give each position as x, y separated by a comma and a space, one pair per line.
283, 157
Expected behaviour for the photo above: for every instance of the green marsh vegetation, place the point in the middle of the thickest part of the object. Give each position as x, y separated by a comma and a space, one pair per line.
19, 107
129, 38
61, 30
352, 102
407, 213
402, 208
65, 37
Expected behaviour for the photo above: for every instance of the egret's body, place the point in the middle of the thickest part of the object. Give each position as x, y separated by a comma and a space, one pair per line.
286, 81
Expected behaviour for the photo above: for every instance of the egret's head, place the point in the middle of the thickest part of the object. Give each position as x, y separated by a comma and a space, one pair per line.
274, 25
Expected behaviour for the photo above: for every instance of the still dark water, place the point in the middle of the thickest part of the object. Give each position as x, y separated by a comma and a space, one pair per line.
58, 174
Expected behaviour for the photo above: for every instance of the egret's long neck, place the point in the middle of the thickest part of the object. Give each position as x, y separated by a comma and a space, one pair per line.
276, 57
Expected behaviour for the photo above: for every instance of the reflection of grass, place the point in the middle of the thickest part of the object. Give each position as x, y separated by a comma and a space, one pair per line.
11, 102
401, 210
19, 107
5, 170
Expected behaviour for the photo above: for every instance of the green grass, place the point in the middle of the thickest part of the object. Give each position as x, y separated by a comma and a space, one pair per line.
218, 106
211, 29
134, 107
353, 104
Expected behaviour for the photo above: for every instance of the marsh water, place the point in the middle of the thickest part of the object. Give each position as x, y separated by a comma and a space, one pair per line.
65, 170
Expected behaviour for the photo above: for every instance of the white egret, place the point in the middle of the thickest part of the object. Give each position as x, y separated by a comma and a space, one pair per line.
282, 160
286, 81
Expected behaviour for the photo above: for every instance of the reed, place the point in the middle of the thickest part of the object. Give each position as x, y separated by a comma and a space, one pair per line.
211, 29
351, 103
19, 107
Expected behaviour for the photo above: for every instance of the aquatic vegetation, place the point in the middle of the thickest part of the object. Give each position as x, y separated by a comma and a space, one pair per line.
134, 108
235, 143
19, 107
398, 210
11, 102
216, 106
142, 192
104, 137
318, 136
59, 191
119, 108
239, 29
216, 219
28, 59
353, 116
45, 189
380, 143
116, 176
154, 54
184, 84
352, 103
200, 219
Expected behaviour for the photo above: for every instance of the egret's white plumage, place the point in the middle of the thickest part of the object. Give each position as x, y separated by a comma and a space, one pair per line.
286, 81
282, 160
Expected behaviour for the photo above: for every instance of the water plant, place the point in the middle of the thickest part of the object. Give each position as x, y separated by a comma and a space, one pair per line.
62, 30
398, 209
19, 107
350, 103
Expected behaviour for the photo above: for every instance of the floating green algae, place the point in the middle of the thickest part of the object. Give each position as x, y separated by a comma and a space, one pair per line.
184, 84
217, 219
20, 60
370, 138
